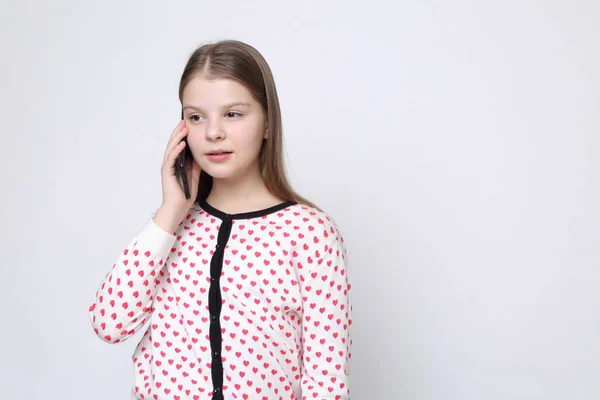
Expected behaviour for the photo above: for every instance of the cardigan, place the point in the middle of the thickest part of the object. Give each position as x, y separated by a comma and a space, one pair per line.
254, 305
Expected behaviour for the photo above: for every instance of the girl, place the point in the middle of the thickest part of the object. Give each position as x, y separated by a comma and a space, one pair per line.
244, 284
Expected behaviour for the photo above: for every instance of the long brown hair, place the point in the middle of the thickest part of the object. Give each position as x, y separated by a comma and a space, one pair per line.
232, 59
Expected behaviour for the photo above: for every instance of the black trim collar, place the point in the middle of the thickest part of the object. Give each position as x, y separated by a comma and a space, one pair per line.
250, 214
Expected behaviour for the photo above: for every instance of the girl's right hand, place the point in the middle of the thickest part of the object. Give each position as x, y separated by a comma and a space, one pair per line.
173, 196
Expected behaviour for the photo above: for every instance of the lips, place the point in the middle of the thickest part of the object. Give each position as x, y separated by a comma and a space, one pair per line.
219, 152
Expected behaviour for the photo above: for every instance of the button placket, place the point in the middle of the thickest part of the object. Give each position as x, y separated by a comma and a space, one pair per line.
215, 307
215, 300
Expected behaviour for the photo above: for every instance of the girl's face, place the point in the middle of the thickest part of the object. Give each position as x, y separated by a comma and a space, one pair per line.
221, 114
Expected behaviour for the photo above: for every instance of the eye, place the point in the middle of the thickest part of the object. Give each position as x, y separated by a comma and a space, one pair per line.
233, 112
193, 116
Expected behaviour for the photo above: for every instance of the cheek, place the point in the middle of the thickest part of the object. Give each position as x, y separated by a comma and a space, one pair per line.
196, 147
195, 140
252, 136
245, 140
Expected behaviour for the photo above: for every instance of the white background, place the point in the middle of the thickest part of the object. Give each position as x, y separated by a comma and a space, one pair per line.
455, 143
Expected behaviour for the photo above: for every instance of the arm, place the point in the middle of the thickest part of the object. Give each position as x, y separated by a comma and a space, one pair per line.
327, 316
123, 301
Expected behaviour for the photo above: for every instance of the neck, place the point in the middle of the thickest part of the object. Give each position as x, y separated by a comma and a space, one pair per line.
241, 194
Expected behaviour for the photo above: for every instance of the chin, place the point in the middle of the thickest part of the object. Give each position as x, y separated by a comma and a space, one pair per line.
219, 176
218, 172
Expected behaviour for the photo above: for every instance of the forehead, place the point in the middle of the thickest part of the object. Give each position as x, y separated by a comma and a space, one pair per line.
215, 93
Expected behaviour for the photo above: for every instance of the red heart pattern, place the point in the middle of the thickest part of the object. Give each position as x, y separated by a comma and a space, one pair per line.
286, 307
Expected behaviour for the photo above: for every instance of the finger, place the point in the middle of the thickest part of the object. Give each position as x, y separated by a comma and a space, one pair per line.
170, 145
171, 157
177, 130
175, 141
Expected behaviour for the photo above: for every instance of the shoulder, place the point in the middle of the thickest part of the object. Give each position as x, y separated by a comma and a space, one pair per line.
318, 243
314, 224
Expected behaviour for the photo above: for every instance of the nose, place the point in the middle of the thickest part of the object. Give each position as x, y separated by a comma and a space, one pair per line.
214, 130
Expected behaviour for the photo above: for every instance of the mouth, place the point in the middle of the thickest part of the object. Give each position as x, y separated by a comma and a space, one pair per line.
218, 157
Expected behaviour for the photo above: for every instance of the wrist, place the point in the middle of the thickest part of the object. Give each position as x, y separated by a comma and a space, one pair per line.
167, 219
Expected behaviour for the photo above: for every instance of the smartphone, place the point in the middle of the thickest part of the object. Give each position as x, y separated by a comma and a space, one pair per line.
186, 154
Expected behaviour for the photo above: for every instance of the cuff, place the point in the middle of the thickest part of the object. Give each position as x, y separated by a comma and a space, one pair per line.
156, 240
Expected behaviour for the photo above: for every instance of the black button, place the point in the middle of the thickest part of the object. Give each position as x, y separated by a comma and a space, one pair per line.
212, 279
217, 391
217, 246
215, 354
213, 317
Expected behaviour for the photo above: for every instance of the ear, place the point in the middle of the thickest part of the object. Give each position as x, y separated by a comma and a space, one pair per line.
266, 136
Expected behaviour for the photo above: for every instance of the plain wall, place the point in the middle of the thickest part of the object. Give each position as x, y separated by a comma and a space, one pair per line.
455, 143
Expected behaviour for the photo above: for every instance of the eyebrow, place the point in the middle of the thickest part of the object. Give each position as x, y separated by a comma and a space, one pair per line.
235, 103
